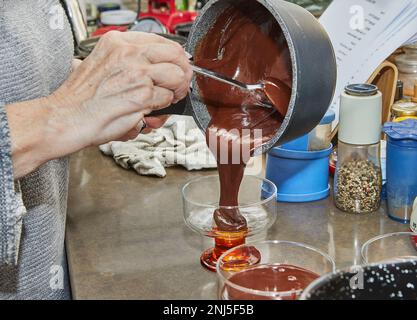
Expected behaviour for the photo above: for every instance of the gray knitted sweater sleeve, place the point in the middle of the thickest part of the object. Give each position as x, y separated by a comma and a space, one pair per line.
12, 209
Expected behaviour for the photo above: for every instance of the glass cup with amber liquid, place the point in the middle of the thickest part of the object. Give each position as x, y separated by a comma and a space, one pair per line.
257, 206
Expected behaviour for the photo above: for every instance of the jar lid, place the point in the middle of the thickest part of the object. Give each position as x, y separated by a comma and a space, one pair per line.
404, 130
329, 117
405, 62
405, 108
118, 17
361, 89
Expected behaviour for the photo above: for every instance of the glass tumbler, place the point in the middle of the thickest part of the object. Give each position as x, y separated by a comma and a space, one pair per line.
257, 204
390, 247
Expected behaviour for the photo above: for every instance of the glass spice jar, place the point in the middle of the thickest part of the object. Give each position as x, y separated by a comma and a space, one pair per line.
358, 177
320, 137
407, 67
402, 110
358, 180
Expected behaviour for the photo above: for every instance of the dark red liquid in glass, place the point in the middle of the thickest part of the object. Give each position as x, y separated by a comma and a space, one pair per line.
287, 279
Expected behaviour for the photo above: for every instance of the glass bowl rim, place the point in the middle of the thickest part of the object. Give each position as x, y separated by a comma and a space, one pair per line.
261, 202
380, 237
270, 293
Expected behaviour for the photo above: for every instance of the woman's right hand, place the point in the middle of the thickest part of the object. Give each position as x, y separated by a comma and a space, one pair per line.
126, 77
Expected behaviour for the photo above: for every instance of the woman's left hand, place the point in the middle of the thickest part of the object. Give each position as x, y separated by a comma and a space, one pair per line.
145, 126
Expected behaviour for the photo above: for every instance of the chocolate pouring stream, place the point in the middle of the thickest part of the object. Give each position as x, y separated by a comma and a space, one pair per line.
247, 44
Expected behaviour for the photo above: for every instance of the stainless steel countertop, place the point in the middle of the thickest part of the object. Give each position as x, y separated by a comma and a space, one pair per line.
126, 238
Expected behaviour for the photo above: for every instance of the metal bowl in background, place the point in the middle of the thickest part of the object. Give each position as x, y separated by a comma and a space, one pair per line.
148, 24
313, 66
77, 20
184, 29
86, 47
383, 281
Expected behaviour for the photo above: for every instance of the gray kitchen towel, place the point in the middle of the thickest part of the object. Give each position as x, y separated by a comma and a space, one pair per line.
178, 142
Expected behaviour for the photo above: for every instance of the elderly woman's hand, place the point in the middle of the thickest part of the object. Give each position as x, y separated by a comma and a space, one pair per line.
126, 77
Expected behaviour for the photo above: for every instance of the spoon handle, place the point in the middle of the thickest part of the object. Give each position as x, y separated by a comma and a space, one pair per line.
227, 80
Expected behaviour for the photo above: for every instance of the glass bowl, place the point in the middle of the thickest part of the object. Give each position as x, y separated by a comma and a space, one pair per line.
283, 271
257, 204
390, 247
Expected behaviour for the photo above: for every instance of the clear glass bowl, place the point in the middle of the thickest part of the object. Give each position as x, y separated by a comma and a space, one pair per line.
257, 204
407, 67
391, 247
279, 267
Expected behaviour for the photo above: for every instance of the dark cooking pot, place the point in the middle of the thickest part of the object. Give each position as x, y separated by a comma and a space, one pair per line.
313, 66
391, 281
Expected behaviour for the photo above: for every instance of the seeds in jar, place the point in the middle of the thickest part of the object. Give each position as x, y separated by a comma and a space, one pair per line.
358, 187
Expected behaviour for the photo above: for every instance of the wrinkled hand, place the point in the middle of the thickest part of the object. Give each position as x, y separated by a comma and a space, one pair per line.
127, 76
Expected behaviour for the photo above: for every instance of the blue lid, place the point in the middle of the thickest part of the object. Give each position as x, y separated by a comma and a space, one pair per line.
329, 117
404, 130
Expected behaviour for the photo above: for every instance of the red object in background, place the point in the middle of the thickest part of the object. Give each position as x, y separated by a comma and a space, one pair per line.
332, 169
102, 30
166, 12
414, 241
333, 161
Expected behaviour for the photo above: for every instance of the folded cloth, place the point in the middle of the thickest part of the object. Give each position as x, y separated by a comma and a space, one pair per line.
178, 142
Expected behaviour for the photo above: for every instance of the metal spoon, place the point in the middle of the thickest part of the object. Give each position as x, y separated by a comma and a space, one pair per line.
232, 82
222, 78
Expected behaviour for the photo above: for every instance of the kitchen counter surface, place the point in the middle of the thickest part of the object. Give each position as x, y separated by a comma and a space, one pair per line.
126, 238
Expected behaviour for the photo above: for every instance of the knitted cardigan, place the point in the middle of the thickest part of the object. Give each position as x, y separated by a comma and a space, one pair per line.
36, 51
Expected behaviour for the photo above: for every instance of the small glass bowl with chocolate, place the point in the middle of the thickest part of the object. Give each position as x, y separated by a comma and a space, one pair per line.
228, 226
276, 270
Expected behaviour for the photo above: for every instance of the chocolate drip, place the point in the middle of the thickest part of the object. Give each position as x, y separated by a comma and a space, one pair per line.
247, 44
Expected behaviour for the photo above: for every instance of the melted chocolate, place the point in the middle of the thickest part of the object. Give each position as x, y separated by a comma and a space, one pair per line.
278, 93
247, 44
269, 278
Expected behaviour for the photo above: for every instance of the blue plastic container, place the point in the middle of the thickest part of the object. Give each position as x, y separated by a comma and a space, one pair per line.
300, 144
401, 168
328, 118
300, 176
384, 169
